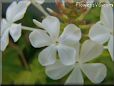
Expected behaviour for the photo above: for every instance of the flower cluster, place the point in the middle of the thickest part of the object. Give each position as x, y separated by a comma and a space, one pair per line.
63, 52
14, 13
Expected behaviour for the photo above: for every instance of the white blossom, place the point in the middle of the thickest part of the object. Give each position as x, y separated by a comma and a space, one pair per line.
40, 1
36, 1
96, 72
14, 13
102, 31
55, 44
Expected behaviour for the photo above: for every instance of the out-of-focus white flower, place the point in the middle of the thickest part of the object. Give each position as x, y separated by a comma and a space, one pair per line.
14, 13
62, 45
96, 72
37, 1
40, 1
102, 31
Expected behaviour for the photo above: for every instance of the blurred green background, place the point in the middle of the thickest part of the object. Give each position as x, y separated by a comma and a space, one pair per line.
15, 71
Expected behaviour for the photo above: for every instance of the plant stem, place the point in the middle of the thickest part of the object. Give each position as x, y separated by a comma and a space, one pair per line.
39, 7
85, 26
28, 28
105, 47
82, 16
22, 57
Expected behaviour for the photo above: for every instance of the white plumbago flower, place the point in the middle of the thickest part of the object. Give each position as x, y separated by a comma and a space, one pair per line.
102, 31
96, 72
40, 1
61, 45
36, 1
14, 13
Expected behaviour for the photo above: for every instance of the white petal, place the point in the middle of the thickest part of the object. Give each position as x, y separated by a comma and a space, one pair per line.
99, 33
107, 16
4, 40
90, 50
67, 54
57, 70
77, 47
15, 31
11, 11
111, 47
16, 10
52, 25
39, 38
48, 56
71, 35
96, 72
75, 77
4, 26
40, 1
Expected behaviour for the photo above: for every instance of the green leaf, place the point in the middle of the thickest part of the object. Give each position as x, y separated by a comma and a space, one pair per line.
11, 66
36, 74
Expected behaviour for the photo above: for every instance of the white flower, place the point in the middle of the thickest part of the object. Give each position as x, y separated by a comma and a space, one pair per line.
102, 31
14, 13
40, 1
37, 1
96, 72
69, 37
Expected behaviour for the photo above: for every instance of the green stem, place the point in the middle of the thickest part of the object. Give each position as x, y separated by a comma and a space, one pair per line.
105, 47
22, 57
85, 26
28, 28
82, 16
39, 7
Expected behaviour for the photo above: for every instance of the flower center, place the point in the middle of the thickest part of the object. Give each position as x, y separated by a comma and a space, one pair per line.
56, 41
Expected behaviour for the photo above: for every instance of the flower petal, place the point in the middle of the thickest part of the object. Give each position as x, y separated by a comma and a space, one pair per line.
67, 54
96, 72
57, 70
39, 38
48, 56
11, 11
4, 40
71, 35
16, 10
90, 50
15, 31
111, 47
107, 17
75, 77
77, 47
52, 26
4, 26
40, 1
99, 33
